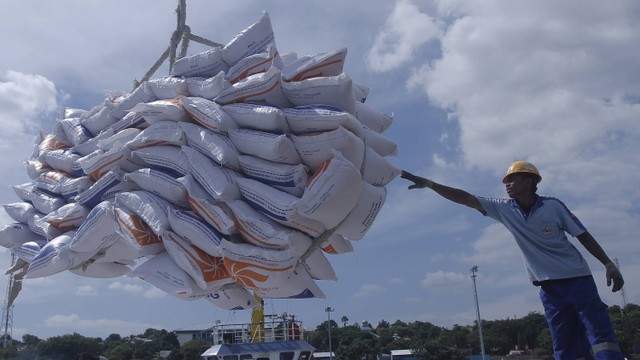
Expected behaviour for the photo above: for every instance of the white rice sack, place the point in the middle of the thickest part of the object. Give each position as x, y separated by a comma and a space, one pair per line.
315, 149
132, 120
206, 87
330, 90
320, 65
61, 159
169, 159
117, 139
252, 64
68, 112
28, 250
98, 230
68, 217
319, 118
289, 178
122, 251
336, 244
254, 39
217, 147
163, 273
198, 232
137, 232
51, 181
377, 170
360, 219
219, 182
151, 208
91, 145
99, 163
372, 118
256, 116
233, 298
263, 87
208, 114
74, 131
205, 64
278, 205
35, 167
159, 183
159, 133
272, 202
332, 192
265, 145
168, 87
257, 229
319, 267
99, 121
101, 270
299, 286
20, 211
142, 94
288, 58
59, 134
360, 92
49, 142
257, 268
380, 143
161, 110
43, 228
105, 188
16, 234
71, 188
41, 200
206, 270
55, 257
216, 213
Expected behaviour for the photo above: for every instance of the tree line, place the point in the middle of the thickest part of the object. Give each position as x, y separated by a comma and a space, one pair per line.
349, 341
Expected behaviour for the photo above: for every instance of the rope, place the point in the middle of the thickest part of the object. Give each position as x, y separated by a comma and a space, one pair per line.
182, 34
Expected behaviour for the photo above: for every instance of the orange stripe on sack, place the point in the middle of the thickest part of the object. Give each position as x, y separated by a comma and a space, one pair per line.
97, 174
319, 171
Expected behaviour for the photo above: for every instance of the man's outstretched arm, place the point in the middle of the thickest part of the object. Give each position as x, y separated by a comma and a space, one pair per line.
456, 195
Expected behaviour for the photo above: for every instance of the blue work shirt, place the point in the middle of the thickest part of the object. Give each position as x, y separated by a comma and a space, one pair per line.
541, 235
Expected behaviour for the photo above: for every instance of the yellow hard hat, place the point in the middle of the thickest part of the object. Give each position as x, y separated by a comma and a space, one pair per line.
522, 167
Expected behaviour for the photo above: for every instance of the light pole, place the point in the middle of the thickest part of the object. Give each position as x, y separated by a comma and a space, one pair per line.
329, 310
474, 269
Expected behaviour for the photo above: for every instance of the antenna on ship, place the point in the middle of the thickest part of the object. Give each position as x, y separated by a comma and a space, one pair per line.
7, 310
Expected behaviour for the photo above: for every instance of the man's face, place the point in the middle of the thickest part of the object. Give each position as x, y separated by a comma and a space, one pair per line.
517, 185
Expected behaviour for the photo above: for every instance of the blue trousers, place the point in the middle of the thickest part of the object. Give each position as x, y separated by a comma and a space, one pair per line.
578, 320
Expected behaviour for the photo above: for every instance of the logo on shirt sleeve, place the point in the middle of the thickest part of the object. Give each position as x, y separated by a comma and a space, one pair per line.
546, 230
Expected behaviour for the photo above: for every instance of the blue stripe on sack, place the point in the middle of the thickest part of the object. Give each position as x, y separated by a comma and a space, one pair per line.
263, 210
305, 294
167, 170
289, 183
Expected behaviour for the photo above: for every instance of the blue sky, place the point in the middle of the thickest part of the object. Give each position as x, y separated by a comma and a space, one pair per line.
472, 86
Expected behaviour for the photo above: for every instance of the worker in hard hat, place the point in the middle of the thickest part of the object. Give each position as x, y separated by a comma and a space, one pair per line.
577, 317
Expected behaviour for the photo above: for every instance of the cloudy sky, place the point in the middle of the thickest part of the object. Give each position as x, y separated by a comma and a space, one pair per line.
472, 86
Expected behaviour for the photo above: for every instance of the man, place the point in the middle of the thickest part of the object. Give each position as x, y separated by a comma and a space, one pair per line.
577, 318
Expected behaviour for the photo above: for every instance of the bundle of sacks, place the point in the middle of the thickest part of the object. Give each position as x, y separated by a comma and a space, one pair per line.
235, 175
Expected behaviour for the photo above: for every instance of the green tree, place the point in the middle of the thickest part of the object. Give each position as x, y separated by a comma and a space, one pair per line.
71, 347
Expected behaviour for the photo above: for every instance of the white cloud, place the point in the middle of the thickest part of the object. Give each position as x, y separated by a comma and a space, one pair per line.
405, 30
86, 290
25, 99
154, 293
130, 288
442, 279
368, 290
532, 82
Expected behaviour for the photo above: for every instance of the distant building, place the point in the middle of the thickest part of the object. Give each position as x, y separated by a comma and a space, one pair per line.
199, 332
